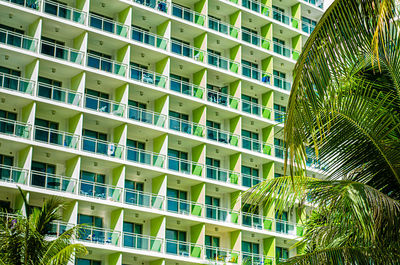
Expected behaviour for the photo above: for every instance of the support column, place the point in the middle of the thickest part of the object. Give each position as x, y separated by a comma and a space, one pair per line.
200, 117
198, 195
236, 205
121, 96
199, 156
118, 180
235, 164
125, 17
267, 65
269, 250
236, 57
75, 125
78, 83
236, 21
296, 15
200, 42
70, 213
163, 68
157, 229
72, 170
32, 73
201, 8
235, 127
160, 146
116, 224
115, 259
159, 187
119, 137
123, 56
267, 34
35, 31
296, 46
236, 246
81, 44
235, 90
268, 104
268, 140
200, 80
164, 30
197, 236
161, 105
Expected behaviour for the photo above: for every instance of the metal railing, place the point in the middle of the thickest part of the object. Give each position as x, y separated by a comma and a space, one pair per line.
99, 191
182, 248
104, 105
160, 5
106, 65
64, 11
222, 136
16, 83
61, 52
101, 147
285, 51
256, 259
59, 94
108, 25
144, 157
250, 181
57, 228
142, 242
56, 137
13, 174
223, 27
222, 99
257, 7
100, 236
222, 254
15, 128
221, 174
256, 109
279, 116
285, 227
307, 27
285, 19
186, 126
279, 151
18, 40
222, 62
185, 166
187, 14
149, 38
52, 182
221, 214
187, 51
252, 220
186, 88
148, 77
282, 83
317, 3
185, 207
256, 74
143, 199
256, 145
255, 39
146, 116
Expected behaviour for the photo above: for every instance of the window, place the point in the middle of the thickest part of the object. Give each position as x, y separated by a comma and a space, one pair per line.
250, 247
141, 34
97, 100
39, 174
249, 219
95, 135
92, 184
9, 71
215, 24
137, 104
54, 48
101, 22
212, 209
96, 142
46, 89
174, 203
217, 94
280, 112
137, 112
87, 262
278, 175
282, 222
182, 12
181, 47
250, 36
250, 105
5, 206
135, 144
7, 126
180, 84
11, 39
177, 122
250, 70
212, 242
308, 24
92, 235
139, 72
131, 238
99, 60
173, 237
279, 148
250, 140
177, 160
214, 58
134, 185
281, 253
213, 172
213, 132
47, 131
279, 80
5, 172
250, 176
135, 153
279, 14
134, 195
8, 28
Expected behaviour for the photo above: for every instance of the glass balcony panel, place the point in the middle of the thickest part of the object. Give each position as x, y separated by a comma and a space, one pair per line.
59, 94
16, 83
221, 255
64, 11
18, 40
104, 105
50, 136
99, 235
145, 157
106, 65
34, 4
148, 77
143, 199
15, 128
52, 182
142, 242
108, 25
146, 116
61, 52
99, 191
282, 83
13, 174
102, 147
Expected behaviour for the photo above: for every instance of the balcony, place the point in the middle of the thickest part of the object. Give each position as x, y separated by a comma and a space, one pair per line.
34, 4
257, 7
99, 191
18, 40
142, 242
63, 11
143, 199
279, 151
317, 3
108, 25
13, 174
307, 28
149, 38
222, 136
57, 228
256, 74
188, 51
222, 214
59, 94
187, 14
281, 17
282, 83
185, 166
61, 52
256, 145
252, 220
104, 105
100, 236
55, 137
106, 65
250, 181
222, 27
182, 248
255, 39
222, 62
222, 99
185, 126
221, 174
285, 51
256, 109
223, 255
52, 182
279, 116
256, 259
146, 116
145, 157
160, 5
186, 88
15, 128
288, 228
101, 147
15, 83
148, 77
185, 207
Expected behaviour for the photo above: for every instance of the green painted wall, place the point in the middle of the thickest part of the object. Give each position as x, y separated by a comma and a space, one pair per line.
267, 64
115, 259
198, 194
197, 233
157, 262
268, 170
269, 247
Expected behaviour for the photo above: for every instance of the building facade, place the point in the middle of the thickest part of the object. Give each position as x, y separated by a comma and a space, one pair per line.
150, 118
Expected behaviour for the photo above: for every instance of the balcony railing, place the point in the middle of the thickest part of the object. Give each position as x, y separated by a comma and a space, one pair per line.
99, 191
285, 51
61, 52
57, 228
279, 116
13, 174
185, 207
250, 181
257, 7
256, 259
186, 126
100, 236
160, 5
149, 38
222, 99
15, 128
146, 116
307, 27
52, 182
144, 157
59, 94
256, 145
108, 25
222, 174
16, 83
222, 62
256, 109
148, 77
18, 40
100, 147
256, 74
185, 166
182, 248
106, 65
318, 3
222, 27
143, 199
187, 14
186, 88
222, 136
142, 242
104, 105
55, 137
34, 4
285, 227
222, 254
222, 214
187, 51
252, 220
282, 83
64, 11
255, 39
281, 17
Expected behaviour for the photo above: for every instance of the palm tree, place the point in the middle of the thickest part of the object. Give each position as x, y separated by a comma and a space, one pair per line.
344, 110
29, 241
